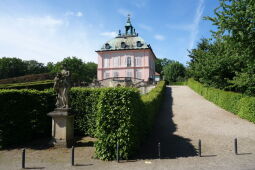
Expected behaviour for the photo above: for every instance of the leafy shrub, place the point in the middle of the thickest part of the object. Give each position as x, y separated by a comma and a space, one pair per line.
151, 103
234, 102
118, 121
37, 85
179, 83
125, 117
84, 105
247, 108
23, 115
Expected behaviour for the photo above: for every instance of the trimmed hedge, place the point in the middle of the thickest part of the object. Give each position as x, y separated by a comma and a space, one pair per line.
36, 85
23, 115
84, 105
151, 102
233, 102
179, 83
125, 117
28, 78
118, 120
110, 114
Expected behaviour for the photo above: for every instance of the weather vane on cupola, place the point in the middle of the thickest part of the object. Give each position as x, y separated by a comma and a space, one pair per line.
130, 31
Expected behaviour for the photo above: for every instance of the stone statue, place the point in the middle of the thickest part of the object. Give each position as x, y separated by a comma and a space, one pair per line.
62, 87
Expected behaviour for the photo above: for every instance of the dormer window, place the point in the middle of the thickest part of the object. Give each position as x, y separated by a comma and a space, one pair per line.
107, 46
138, 44
123, 45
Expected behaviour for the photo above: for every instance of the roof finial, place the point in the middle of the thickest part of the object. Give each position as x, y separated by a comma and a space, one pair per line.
128, 18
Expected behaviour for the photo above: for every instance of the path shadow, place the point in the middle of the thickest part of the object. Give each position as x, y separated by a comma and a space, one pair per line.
244, 153
37, 144
34, 167
83, 164
172, 146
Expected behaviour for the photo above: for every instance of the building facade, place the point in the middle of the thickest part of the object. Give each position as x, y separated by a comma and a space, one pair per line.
126, 56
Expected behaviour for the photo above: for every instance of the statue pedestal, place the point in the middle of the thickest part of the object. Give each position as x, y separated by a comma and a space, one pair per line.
62, 127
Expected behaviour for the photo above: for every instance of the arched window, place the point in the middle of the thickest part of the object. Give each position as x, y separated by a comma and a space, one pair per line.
123, 45
107, 46
139, 44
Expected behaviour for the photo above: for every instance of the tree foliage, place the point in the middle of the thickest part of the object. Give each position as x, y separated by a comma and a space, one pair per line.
161, 63
174, 72
80, 71
227, 60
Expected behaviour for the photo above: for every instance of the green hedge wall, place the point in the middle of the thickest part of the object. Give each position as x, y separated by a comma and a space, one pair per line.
84, 105
118, 121
234, 102
125, 117
23, 115
36, 85
110, 114
151, 102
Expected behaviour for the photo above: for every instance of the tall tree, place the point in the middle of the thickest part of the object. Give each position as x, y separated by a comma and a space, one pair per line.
11, 67
174, 72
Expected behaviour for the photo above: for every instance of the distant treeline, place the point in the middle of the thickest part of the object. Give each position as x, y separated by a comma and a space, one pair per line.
15, 67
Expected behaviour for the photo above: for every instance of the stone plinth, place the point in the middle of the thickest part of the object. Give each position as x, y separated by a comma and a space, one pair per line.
62, 127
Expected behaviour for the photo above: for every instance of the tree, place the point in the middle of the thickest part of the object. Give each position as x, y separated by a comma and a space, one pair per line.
91, 69
174, 72
80, 71
228, 62
34, 67
11, 67
160, 63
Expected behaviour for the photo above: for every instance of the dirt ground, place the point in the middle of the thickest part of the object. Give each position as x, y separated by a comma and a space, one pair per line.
185, 117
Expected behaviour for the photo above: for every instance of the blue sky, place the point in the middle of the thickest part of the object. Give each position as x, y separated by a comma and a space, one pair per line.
50, 30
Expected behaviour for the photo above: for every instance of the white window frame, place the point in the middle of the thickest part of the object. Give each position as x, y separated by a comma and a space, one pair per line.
138, 61
129, 73
116, 61
107, 74
138, 74
116, 74
106, 62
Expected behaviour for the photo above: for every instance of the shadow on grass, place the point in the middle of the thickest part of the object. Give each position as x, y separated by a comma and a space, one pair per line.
171, 146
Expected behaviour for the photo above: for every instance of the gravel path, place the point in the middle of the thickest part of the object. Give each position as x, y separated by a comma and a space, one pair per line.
185, 117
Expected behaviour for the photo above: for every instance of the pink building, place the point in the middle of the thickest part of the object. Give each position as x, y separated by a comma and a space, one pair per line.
127, 55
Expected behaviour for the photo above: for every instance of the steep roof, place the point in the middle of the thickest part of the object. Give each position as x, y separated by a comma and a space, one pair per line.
127, 41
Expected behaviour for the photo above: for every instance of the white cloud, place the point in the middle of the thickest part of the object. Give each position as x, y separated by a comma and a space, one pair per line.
45, 21
76, 14
159, 37
195, 24
145, 27
109, 34
79, 14
124, 12
46, 39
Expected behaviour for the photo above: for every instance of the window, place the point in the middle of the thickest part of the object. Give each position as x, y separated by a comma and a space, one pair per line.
107, 46
116, 74
106, 74
138, 74
128, 73
138, 61
116, 61
128, 61
106, 62
138, 44
123, 45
